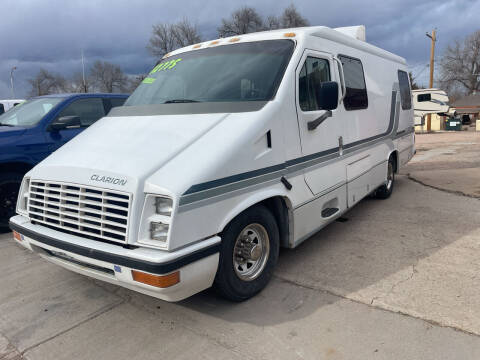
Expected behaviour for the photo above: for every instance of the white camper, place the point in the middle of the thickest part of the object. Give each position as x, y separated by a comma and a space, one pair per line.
228, 150
429, 101
6, 105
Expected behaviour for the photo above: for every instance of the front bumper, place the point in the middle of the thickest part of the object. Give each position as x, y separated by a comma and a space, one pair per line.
197, 263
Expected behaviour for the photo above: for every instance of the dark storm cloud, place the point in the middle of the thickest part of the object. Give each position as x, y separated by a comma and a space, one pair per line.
51, 34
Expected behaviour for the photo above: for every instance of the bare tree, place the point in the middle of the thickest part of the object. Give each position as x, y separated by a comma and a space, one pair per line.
45, 83
135, 81
460, 65
413, 84
108, 77
161, 41
272, 23
291, 18
168, 37
75, 84
242, 21
185, 33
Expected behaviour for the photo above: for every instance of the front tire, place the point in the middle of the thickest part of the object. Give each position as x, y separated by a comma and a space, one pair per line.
9, 186
249, 252
384, 191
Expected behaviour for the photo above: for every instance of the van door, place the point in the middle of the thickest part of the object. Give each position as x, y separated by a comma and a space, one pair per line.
320, 146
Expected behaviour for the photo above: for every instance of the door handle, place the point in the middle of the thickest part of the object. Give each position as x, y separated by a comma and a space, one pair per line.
312, 125
340, 145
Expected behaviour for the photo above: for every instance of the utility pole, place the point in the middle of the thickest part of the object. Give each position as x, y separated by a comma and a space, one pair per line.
11, 81
433, 37
83, 74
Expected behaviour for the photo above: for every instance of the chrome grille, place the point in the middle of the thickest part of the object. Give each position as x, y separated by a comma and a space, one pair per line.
82, 210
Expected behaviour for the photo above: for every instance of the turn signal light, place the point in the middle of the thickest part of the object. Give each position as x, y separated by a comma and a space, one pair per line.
289, 34
160, 281
17, 236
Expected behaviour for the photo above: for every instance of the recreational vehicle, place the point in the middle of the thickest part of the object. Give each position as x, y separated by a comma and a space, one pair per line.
428, 101
228, 150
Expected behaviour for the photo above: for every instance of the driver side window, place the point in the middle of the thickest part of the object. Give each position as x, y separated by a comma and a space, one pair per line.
88, 110
314, 72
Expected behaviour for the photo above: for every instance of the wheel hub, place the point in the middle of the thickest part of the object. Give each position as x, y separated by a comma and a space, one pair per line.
251, 252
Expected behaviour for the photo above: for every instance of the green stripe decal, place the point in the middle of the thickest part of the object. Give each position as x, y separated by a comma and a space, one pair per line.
148, 80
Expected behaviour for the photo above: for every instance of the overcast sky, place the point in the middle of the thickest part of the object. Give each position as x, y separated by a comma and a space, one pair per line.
50, 34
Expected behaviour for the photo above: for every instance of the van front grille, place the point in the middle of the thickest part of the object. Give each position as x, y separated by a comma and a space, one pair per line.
93, 212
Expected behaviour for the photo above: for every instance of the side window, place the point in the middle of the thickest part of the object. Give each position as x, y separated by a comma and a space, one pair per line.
88, 110
117, 101
356, 97
405, 95
314, 72
110, 103
2, 109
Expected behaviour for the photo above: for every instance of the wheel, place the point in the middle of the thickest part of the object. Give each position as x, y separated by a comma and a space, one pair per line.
9, 186
384, 191
249, 252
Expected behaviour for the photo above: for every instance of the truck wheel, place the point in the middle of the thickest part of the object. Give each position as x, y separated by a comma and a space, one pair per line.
9, 186
384, 191
249, 252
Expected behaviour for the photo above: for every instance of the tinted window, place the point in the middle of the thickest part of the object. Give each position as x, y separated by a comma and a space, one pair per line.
2, 109
405, 95
424, 97
314, 72
116, 102
88, 110
356, 97
249, 71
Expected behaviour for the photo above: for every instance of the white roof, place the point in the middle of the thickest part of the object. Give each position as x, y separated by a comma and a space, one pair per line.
352, 36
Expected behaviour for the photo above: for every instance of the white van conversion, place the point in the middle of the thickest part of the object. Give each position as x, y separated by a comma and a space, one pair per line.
6, 105
228, 150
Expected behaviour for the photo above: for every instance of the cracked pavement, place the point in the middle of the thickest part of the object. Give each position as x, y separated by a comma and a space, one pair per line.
398, 280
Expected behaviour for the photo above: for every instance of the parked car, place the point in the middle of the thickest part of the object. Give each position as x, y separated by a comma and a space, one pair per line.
6, 105
36, 128
228, 150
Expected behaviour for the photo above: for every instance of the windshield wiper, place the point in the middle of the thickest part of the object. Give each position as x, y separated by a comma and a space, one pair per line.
178, 101
2, 124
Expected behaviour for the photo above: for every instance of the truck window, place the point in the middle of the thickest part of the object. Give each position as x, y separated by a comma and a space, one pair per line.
405, 95
88, 110
356, 97
116, 102
314, 71
2, 109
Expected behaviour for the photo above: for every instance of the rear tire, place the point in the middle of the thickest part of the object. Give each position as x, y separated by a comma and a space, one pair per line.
9, 186
249, 252
384, 191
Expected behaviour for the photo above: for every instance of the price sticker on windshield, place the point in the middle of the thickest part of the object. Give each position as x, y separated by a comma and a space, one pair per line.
168, 65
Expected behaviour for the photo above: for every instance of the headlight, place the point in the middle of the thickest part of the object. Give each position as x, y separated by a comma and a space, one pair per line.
159, 231
156, 220
163, 206
23, 194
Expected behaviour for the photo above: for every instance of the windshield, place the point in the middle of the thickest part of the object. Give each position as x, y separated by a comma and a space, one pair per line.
28, 113
239, 72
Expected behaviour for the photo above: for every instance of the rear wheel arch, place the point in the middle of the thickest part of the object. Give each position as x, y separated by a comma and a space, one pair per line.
394, 155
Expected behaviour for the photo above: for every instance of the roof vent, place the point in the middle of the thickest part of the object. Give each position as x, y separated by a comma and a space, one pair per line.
357, 32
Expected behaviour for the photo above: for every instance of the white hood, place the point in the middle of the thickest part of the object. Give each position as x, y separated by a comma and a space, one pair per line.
130, 148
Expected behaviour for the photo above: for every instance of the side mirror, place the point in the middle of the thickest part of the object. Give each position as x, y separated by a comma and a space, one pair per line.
327, 95
65, 122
